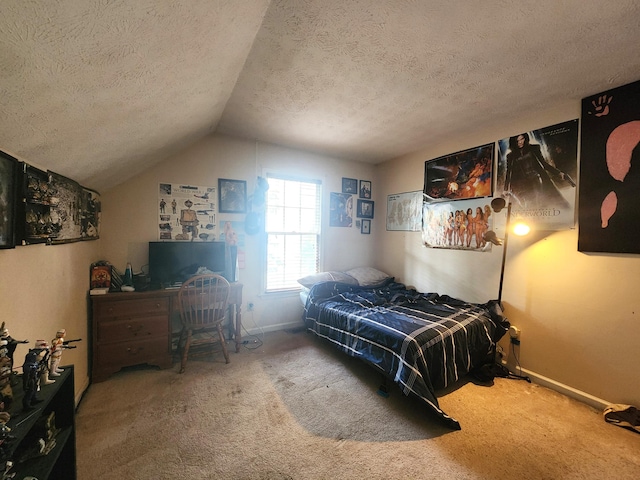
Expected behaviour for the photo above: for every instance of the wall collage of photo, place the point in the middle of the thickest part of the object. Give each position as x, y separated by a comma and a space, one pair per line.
341, 205
39, 206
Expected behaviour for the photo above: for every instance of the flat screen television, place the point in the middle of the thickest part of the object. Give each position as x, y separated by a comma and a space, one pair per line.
171, 263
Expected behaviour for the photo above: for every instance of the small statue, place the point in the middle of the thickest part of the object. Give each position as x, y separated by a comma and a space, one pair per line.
30, 380
4, 415
57, 345
6, 391
12, 343
42, 349
5, 361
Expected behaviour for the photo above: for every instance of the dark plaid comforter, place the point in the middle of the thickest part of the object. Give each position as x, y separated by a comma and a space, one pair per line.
423, 341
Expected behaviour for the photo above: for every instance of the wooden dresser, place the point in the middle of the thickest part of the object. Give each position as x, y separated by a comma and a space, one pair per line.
129, 329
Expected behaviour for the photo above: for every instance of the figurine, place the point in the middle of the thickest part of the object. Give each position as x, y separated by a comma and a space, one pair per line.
12, 343
5, 361
42, 349
4, 415
5, 387
57, 345
30, 380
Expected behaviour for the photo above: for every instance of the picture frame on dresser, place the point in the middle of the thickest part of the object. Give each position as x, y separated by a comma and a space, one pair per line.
9, 181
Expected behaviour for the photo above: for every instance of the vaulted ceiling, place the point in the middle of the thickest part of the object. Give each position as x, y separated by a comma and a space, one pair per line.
100, 90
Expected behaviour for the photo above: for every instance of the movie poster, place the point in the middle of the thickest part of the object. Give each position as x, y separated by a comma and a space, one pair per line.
186, 212
537, 170
609, 216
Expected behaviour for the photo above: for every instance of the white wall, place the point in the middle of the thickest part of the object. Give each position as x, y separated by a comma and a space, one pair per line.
579, 313
44, 288
130, 212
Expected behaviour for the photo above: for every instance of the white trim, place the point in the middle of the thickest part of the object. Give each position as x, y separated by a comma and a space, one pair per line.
273, 328
571, 392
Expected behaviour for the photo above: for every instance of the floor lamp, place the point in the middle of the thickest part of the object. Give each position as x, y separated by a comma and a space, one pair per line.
520, 228
497, 205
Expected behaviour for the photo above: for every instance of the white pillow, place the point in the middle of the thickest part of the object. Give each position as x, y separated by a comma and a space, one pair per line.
331, 276
367, 276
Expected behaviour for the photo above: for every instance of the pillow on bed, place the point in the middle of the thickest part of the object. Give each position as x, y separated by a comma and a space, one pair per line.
367, 276
332, 276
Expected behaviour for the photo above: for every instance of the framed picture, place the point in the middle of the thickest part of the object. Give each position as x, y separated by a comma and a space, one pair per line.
462, 175
341, 210
366, 227
232, 196
365, 189
365, 209
90, 212
349, 185
65, 209
9, 179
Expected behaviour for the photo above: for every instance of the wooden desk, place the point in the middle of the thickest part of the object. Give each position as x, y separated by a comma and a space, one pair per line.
130, 328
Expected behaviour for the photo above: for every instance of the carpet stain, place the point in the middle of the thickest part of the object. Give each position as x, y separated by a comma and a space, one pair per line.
285, 382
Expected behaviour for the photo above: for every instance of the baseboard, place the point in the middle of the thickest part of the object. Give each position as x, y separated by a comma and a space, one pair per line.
595, 402
273, 328
85, 386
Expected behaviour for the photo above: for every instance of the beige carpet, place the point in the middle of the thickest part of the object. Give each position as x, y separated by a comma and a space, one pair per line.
296, 408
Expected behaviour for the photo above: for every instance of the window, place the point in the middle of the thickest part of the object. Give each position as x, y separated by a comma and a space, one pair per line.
292, 226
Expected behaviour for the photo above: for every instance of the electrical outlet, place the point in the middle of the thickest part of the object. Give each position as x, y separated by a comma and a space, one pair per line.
514, 332
250, 306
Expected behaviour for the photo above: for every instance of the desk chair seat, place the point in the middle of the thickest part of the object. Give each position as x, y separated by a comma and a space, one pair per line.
203, 302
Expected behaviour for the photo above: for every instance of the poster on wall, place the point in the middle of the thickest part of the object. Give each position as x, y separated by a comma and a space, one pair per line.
609, 217
9, 168
537, 169
457, 225
65, 212
462, 175
186, 212
90, 212
341, 209
404, 211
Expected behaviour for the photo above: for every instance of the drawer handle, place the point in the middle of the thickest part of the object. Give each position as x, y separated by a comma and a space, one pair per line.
134, 351
134, 330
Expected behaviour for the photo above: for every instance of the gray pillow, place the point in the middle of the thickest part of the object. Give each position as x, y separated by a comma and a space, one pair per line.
331, 276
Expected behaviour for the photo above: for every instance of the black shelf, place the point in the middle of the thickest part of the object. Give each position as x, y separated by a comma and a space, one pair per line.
57, 397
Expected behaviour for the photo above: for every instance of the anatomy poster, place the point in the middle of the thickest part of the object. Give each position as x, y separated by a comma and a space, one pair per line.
186, 212
609, 216
537, 171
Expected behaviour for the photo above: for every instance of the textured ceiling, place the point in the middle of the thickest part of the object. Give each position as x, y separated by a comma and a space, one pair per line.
100, 90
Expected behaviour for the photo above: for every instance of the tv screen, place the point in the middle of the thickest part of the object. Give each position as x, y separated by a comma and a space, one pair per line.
171, 263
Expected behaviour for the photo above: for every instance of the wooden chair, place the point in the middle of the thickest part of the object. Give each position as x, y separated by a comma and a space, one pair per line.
203, 301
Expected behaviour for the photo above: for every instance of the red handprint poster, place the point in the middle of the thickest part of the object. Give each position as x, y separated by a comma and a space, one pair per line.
609, 213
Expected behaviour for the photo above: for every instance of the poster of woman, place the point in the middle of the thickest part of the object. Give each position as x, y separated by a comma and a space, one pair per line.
457, 225
537, 171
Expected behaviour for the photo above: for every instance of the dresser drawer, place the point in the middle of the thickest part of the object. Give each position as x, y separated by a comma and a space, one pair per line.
132, 307
132, 353
132, 329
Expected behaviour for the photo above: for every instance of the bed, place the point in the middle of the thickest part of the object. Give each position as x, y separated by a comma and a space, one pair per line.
424, 342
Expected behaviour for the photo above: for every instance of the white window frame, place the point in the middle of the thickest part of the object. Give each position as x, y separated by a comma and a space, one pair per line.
288, 283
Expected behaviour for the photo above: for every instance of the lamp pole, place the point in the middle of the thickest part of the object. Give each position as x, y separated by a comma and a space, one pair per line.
504, 250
